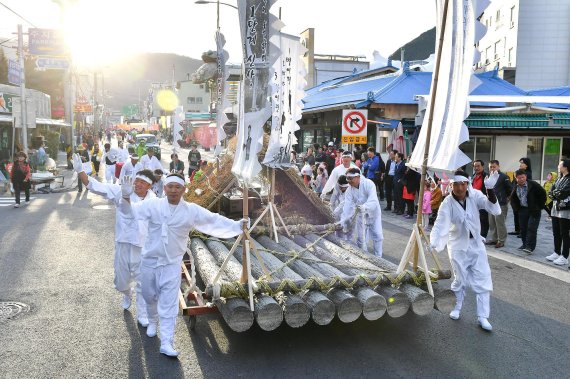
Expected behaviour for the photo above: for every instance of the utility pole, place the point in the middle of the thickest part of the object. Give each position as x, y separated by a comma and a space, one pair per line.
22, 89
95, 104
71, 105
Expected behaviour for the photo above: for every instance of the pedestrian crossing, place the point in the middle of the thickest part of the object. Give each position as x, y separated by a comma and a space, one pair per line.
10, 201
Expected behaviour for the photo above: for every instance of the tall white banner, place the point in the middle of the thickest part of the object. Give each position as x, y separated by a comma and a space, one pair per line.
256, 30
221, 92
287, 83
456, 81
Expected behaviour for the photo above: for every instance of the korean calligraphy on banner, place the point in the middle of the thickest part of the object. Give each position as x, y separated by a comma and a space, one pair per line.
221, 91
257, 26
288, 82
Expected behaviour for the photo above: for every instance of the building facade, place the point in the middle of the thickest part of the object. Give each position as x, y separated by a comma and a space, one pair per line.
527, 40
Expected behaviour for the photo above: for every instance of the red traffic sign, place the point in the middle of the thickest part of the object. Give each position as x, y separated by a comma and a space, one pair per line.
354, 122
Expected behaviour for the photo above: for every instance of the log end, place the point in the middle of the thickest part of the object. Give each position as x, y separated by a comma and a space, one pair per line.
349, 310
422, 304
397, 304
269, 316
237, 314
322, 309
373, 305
296, 313
444, 300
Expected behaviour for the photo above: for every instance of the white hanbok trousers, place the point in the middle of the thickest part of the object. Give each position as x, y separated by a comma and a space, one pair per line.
160, 290
110, 173
127, 270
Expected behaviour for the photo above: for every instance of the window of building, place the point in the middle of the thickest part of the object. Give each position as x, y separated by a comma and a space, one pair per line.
511, 56
191, 100
496, 50
201, 86
512, 16
477, 148
534, 153
498, 16
198, 100
552, 152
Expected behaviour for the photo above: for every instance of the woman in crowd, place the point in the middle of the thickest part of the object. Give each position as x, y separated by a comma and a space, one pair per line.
176, 166
560, 195
524, 164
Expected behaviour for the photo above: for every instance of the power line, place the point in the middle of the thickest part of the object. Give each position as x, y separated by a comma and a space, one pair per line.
5, 6
6, 40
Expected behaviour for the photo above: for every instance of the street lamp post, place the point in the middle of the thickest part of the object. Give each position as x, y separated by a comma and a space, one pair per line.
218, 2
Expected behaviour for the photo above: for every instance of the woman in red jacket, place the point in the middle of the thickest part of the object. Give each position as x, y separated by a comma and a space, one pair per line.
21, 176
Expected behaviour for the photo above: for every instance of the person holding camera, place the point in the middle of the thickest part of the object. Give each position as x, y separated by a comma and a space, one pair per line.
560, 214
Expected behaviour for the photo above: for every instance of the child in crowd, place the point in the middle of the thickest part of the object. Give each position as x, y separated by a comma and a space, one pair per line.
426, 205
158, 186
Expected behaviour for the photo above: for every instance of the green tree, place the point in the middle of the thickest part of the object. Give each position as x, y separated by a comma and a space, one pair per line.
3, 67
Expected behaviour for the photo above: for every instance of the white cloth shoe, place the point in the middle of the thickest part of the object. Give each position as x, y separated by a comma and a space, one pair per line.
168, 349
454, 314
485, 324
16, 205
126, 302
552, 257
560, 261
143, 321
151, 329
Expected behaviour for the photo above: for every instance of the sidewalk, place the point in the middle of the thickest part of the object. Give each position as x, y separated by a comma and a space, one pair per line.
544, 243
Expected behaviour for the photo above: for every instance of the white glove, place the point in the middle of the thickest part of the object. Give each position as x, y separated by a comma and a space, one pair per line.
360, 208
491, 180
126, 187
245, 222
77, 163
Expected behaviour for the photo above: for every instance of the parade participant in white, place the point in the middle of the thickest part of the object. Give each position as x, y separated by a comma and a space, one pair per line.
361, 199
337, 197
338, 171
110, 159
131, 167
170, 220
457, 226
149, 161
123, 153
129, 234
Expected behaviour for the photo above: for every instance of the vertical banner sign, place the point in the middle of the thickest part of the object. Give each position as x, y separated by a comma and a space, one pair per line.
288, 83
179, 116
14, 72
255, 109
221, 91
456, 81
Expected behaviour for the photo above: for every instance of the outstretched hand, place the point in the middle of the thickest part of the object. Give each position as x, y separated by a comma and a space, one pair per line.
126, 186
77, 163
491, 180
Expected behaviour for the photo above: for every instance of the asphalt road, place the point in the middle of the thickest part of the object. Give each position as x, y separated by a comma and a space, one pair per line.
56, 255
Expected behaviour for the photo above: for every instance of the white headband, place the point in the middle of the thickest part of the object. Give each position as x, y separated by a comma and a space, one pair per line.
144, 178
352, 174
459, 178
343, 185
174, 179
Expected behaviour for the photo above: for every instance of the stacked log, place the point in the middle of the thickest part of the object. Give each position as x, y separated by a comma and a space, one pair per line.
291, 306
397, 303
348, 306
296, 315
373, 304
235, 311
268, 314
443, 300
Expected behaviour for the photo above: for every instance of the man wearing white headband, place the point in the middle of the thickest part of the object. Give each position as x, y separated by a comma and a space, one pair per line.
131, 167
457, 226
149, 161
346, 163
170, 220
361, 212
129, 234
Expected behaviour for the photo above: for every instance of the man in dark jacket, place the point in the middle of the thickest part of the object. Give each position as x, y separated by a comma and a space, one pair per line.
399, 171
528, 198
389, 179
497, 224
479, 175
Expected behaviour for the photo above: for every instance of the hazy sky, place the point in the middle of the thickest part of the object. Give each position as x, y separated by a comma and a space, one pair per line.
101, 30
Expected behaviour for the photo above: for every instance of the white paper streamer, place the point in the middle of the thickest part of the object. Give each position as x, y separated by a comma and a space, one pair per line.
456, 81
222, 89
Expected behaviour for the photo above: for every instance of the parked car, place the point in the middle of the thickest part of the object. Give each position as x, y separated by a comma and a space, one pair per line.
150, 141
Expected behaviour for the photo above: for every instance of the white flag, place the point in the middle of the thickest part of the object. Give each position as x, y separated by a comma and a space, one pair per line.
288, 83
455, 82
221, 92
256, 29
177, 127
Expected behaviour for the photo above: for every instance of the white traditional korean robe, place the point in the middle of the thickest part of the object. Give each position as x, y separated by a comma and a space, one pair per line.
168, 233
150, 163
371, 221
129, 170
130, 235
468, 256
333, 177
